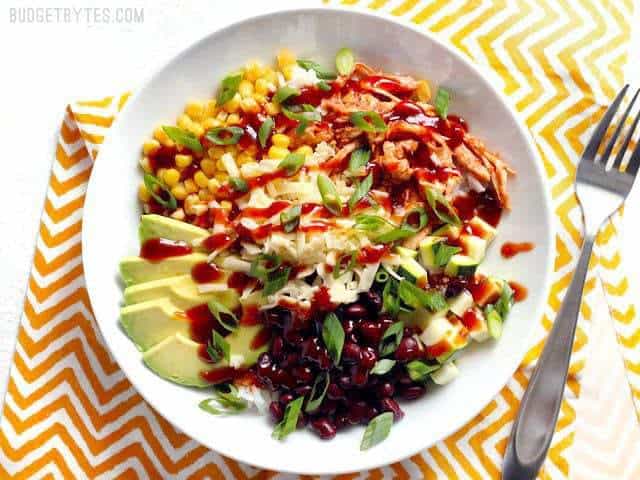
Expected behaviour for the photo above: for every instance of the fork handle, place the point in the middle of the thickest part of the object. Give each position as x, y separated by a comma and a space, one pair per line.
533, 429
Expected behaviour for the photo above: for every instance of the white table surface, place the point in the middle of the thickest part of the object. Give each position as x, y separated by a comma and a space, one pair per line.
44, 67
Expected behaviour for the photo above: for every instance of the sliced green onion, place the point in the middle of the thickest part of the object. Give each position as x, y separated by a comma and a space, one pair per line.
394, 235
218, 348
443, 97
338, 271
441, 206
220, 311
382, 276
150, 182
290, 219
505, 302
423, 219
391, 339
302, 113
361, 191
370, 223
239, 184
321, 73
318, 392
390, 300
383, 366
324, 86
184, 138
442, 253
368, 121
265, 131
225, 135
264, 264
292, 163
226, 403
416, 297
302, 126
420, 371
329, 194
228, 88
276, 281
345, 61
377, 430
359, 158
333, 336
289, 420
285, 93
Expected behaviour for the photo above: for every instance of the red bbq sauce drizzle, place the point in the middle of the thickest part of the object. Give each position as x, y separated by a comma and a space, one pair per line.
437, 349
156, 249
202, 322
250, 316
483, 204
239, 281
470, 319
519, 291
511, 249
223, 374
261, 339
216, 241
372, 253
204, 272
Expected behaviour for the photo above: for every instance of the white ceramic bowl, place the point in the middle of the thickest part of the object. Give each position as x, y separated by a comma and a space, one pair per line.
111, 217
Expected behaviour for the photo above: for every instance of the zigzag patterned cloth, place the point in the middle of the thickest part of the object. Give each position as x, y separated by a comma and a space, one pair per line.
70, 412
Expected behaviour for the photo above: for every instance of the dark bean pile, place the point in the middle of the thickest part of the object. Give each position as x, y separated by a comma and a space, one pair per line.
354, 396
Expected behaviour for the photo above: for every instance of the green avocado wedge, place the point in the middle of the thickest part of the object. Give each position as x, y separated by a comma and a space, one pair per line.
157, 226
136, 270
181, 290
150, 322
176, 359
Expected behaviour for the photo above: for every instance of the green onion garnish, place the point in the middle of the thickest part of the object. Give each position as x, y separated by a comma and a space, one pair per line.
289, 420
505, 302
225, 135
370, 223
285, 93
221, 313
292, 163
290, 219
318, 392
276, 281
383, 366
345, 61
359, 158
391, 339
416, 297
224, 402
441, 206
324, 86
382, 276
420, 371
218, 348
228, 88
333, 336
368, 121
442, 253
302, 113
361, 191
338, 271
329, 194
377, 430
150, 182
184, 138
443, 97
264, 264
321, 73
265, 131
239, 184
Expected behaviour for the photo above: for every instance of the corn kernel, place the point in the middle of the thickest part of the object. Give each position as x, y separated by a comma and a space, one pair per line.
225, 204
211, 108
222, 116
150, 146
278, 152
196, 129
259, 98
183, 161
252, 150
208, 167
243, 158
245, 88
249, 105
178, 214
184, 122
171, 177
201, 179
233, 119
195, 110
160, 173
220, 165
272, 108
145, 165
190, 202
231, 149
160, 135
287, 71
222, 177
285, 57
204, 194
233, 105
190, 186
179, 192
210, 122
216, 152
305, 150
423, 91
213, 185
280, 140
253, 70
262, 86
143, 193
271, 76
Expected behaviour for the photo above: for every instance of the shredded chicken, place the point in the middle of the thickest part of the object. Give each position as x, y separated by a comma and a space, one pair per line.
356, 102
400, 129
440, 151
347, 134
499, 170
394, 158
314, 134
467, 160
341, 155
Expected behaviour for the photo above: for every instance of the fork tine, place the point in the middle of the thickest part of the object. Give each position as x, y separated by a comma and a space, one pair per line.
592, 147
623, 149
616, 133
634, 161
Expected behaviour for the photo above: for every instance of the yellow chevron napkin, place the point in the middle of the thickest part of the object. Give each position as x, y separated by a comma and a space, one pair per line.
69, 411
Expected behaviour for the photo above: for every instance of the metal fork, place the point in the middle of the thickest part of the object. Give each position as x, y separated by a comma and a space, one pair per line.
601, 186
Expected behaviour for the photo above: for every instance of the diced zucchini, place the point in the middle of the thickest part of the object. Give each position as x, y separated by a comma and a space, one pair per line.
406, 252
413, 268
421, 317
437, 329
489, 291
461, 266
445, 374
474, 247
482, 229
449, 231
461, 303
494, 323
427, 252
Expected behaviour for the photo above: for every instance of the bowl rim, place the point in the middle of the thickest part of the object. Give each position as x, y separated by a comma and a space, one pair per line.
482, 77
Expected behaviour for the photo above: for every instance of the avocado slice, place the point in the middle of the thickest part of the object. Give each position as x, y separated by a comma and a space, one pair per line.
176, 359
137, 270
150, 322
182, 291
158, 226
240, 345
